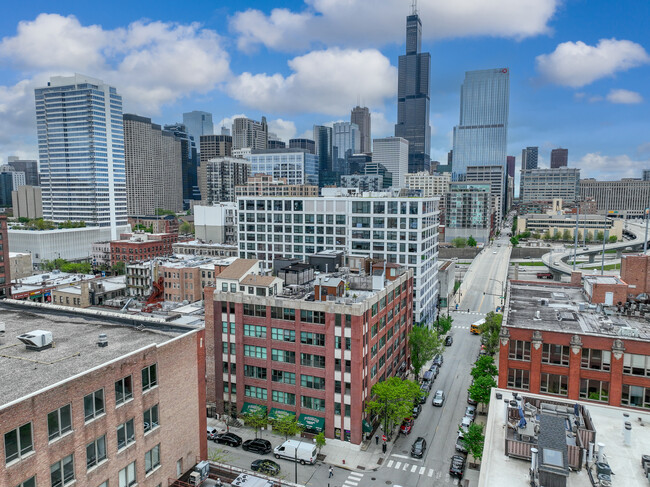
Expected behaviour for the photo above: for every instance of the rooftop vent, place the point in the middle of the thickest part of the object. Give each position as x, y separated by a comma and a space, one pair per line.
37, 340
102, 341
628, 331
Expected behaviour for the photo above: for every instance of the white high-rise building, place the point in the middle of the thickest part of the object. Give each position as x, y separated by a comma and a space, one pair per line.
393, 154
430, 184
381, 225
481, 136
346, 137
81, 151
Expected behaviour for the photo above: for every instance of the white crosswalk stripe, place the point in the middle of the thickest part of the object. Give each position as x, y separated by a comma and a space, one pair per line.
422, 469
406, 465
356, 474
414, 468
350, 482
390, 463
430, 474
397, 465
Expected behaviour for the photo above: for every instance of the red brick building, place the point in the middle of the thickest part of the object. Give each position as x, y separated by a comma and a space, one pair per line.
132, 411
5, 274
139, 247
553, 341
158, 224
635, 271
283, 349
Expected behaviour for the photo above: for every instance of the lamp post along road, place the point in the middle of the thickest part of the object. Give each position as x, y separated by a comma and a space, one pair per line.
575, 243
645, 242
602, 261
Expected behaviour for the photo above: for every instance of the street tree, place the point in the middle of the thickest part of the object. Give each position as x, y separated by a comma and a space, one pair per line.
119, 268
287, 425
459, 242
613, 239
471, 241
186, 228
566, 235
490, 332
319, 439
480, 389
256, 420
424, 343
444, 324
599, 236
392, 400
514, 241
484, 366
474, 440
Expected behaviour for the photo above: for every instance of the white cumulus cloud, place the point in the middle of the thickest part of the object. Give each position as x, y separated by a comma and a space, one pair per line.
284, 129
577, 64
360, 23
626, 97
606, 167
326, 81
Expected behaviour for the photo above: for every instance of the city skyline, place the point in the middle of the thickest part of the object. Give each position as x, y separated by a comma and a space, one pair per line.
560, 97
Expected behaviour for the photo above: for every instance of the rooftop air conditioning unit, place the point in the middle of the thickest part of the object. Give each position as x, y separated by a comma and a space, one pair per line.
37, 339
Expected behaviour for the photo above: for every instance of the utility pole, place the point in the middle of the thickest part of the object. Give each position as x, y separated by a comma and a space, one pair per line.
602, 261
645, 242
575, 243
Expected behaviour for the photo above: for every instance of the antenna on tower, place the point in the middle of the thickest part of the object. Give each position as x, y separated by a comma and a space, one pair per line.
414, 7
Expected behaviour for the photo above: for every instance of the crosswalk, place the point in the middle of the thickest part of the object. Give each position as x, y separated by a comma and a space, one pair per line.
407, 467
353, 479
461, 327
463, 312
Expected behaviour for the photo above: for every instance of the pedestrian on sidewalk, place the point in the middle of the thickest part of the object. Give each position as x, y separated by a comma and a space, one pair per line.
376, 439
218, 484
331, 472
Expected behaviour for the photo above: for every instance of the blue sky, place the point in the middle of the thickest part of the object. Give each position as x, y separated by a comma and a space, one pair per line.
580, 69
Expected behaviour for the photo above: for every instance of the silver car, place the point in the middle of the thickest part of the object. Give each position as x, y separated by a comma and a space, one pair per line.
470, 412
439, 398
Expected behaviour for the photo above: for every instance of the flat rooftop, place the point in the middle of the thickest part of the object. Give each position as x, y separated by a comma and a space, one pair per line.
497, 469
75, 334
565, 309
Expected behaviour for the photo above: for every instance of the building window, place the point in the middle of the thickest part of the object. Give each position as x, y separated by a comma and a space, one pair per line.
313, 382
18, 442
554, 384
150, 418
635, 396
62, 472
255, 352
283, 313
125, 434
596, 359
255, 331
311, 360
283, 397
123, 390
255, 372
59, 422
313, 403
282, 376
283, 356
519, 350
283, 335
152, 459
519, 379
30, 482
149, 377
555, 354
317, 339
634, 364
126, 476
256, 392
594, 390
96, 452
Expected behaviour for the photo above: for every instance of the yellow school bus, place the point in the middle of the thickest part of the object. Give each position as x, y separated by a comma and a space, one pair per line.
475, 328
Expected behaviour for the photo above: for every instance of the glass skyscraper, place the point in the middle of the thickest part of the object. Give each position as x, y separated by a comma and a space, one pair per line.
413, 97
81, 151
198, 123
480, 139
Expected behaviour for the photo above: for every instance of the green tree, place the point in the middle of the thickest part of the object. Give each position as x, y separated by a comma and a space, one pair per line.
484, 365
256, 420
163, 212
481, 389
556, 236
474, 440
320, 441
566, 235
613, 239
424, 343
514, 241
119, 268
459, 242
471, 242
514, 225
547, 235
490, 332
444, 324
579, 236
590, 236
186, 228
599, 236
77, 267
392, 400
287, 425
536, 236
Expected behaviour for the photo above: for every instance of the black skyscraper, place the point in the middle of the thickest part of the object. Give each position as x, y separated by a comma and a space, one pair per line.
190, 162
413, 97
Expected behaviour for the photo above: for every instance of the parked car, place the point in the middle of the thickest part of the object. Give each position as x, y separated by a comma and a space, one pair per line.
419, 447
257, 445
470, 412
439, 398
211, 433
460, 444
457, 466
407, 426
428, 376
470, 401
449, 340
465, 423
230, 439
424, 394
435, 370
265, 466
438, 360
417, 409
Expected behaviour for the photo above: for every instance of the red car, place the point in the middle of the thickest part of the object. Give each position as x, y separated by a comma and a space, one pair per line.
407, 426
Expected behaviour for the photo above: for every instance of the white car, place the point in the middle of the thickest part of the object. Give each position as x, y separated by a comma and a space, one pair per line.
494, 251
465, 423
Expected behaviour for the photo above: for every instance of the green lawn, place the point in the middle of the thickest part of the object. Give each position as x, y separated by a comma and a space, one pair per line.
608, 267
530, 264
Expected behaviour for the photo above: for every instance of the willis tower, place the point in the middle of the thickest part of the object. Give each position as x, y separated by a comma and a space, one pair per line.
413, 97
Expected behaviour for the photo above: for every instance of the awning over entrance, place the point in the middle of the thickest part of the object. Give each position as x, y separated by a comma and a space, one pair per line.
277, 413
251, 408
367, 427
312, 423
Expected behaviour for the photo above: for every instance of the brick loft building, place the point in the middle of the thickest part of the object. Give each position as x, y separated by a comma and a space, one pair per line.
138, 247
314, 350
74, 412
185, 279
555, 341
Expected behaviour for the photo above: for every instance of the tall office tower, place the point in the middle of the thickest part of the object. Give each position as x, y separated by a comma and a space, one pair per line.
190, 163
225, 130
222, 175
646, 174
559, 158
510, 166
498, 189
81, 151
247, 133
30, 168
346, 141
154, 170
307, 144
17, 177
529, 158
413, 97
361, 117
6, 188
198, 123
323, 145
393, 154
481, 136
5, 270
211, 147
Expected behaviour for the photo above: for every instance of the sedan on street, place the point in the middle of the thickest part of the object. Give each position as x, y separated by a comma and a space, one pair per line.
439, 398
230, 439
419, 447
457, 466
257, 445
470, 412
407, 426
265, 466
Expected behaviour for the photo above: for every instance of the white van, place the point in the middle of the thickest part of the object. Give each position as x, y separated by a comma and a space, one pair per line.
301, 451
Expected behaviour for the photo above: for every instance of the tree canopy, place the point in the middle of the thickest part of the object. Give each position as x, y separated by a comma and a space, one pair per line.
287, 425
480, 389
392, 400
444, 324
256, 420
424, 343
484, 366
471, 241
459, 242
474, 440
490, 332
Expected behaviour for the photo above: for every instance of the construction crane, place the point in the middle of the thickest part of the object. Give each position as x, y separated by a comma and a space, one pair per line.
156, 297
